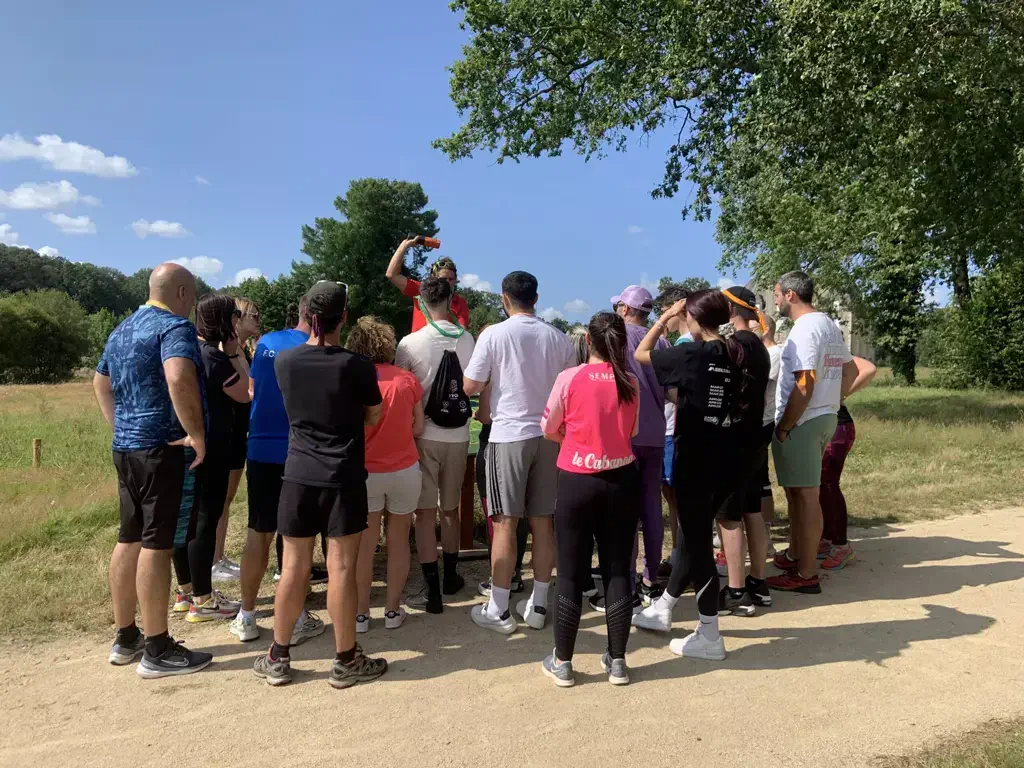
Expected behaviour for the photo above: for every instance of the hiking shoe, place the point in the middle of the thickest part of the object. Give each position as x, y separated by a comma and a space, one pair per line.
792, 581
307, 627
533, 615
317, 575
824, 548
618, 673
182, 601
453, 585
839, 558
423, 601
720, 564
176, 660
783, 562
649, 594
223, 572
362, 623
697, 646
728, 605
504, 624
215, 607
123, 652
394, 619
760, 595
363, 669
656, 617
560, 672
274, 671
483, 588
244, 628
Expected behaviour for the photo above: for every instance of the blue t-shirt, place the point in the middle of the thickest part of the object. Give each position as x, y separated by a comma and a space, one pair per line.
134, 360
268, 422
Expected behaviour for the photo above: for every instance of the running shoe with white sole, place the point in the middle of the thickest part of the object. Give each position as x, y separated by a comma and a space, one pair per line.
394, 619
122, 652
244, 628
221, 572
362, 670
362, 623
721, 565
649, 594
182, 601
533, 615
176, 660
760, 595
504, 624
216, 607
618, 672
307, 627
274, 671
422, 601
656, 617
730, 605
597, 603
560, 672
838, 558
697, 646
484, 588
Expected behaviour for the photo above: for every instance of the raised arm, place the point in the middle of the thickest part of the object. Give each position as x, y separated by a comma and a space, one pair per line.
394, 273
643, 350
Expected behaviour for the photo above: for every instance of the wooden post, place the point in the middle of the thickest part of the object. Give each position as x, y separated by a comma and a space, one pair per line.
467, 504
37, 451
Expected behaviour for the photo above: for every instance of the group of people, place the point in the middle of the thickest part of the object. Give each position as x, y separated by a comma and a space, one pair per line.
582, 436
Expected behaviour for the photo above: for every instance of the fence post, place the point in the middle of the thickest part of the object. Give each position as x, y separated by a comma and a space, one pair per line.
467, 504
37, 450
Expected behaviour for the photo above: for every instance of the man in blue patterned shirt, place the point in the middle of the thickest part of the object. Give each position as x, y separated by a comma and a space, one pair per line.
150, 391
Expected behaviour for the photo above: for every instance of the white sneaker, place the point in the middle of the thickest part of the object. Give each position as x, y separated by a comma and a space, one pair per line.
505, 625
362, 624
309, 625
221, 572
696, 646
533, 615
244, 629
656, 617
394, 619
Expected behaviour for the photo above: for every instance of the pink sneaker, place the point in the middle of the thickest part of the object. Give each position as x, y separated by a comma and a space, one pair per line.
824, 549
839, 558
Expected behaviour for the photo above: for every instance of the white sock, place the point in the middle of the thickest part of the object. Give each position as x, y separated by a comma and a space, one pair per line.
301, 620
709, 627
246, 614
540, 593
498, 603
668, 601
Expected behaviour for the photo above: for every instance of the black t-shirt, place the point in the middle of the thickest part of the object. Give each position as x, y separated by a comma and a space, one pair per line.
844, 416
220, 408
326, 391
757, 365
240, 427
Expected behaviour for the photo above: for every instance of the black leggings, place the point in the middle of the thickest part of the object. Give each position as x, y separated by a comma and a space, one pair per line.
209, 508
606, 507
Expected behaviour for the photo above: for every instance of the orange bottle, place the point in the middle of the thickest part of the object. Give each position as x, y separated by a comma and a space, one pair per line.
431, 242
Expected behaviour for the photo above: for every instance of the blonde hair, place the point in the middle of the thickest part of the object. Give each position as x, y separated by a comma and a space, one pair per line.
246, 306
373, 338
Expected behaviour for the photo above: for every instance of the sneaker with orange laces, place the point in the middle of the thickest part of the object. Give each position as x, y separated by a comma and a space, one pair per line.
783, 563
839, 558
824, 548
721, 564
792, 581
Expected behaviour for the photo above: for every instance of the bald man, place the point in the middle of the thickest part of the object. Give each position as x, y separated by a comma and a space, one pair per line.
149, 390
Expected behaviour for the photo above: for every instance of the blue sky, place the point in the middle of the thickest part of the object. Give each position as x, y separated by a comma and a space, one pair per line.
222, 128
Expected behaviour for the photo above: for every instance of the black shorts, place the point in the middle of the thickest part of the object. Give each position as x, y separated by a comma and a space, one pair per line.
763, 475
149, 485
238, 451
307, 510
264, 495
747, 499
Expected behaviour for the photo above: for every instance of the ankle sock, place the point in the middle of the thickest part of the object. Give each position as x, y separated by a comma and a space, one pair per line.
128, 634
246, 614
540, 593
498, 603
278, 651
752, 582
709, 627
668, 600
737, 593
157, 645
347, 657
432, 577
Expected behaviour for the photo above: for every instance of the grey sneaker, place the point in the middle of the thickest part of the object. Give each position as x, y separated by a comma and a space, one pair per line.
309, 625
421, 601
618, 672
735, 606
274, 671
560, 673
176, 660
122, 652
362, 670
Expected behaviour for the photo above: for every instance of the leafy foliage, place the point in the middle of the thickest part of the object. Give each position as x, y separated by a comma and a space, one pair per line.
485, 309
43, 337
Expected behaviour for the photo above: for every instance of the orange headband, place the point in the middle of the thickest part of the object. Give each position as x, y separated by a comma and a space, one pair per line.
755, 310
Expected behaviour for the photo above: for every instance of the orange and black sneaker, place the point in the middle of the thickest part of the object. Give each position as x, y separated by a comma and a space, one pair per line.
792, 581
783, 563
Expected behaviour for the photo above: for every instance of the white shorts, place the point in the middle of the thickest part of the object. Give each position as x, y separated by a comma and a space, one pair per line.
398, 492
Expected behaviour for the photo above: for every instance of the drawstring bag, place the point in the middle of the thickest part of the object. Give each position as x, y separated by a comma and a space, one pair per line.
448, 406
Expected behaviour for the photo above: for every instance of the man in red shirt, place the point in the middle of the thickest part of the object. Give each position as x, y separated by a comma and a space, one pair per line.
443, 268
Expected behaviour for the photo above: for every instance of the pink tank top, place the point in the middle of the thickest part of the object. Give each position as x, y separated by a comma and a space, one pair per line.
597, 430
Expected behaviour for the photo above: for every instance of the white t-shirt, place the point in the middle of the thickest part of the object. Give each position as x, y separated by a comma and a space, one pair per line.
775, 356
421, 353
815, 344
670, 419
521, 357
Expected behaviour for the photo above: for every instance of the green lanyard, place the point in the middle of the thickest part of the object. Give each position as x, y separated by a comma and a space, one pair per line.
455, 321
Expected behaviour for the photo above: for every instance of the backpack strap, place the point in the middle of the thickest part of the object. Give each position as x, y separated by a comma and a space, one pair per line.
455, 321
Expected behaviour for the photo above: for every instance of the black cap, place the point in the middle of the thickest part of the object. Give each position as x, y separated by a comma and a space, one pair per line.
327, 299
744, 294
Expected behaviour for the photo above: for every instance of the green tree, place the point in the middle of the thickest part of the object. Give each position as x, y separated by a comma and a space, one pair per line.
485, 308
278, 299
690, 284
44, 336
377, 215
561, 324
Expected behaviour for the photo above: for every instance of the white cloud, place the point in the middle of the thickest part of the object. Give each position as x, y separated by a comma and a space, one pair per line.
44, 197
48, 250
576, 307
203, 181
7, 235
73, 225
725, 282
158, 228
53, 152
204, 266
474, 283
645, 282
246, 274
634, 229
550, 314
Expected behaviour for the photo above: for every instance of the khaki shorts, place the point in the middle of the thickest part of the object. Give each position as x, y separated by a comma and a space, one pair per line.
444, 469
398, 492
798, 460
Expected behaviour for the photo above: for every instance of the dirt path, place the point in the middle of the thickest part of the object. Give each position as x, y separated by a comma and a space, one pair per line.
922, 637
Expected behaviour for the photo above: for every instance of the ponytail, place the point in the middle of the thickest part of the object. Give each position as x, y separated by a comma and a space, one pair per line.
738, 358
608, 341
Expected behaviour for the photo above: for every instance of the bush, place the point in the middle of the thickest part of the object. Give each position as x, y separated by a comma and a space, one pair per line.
101, 324
44, 335
984, 339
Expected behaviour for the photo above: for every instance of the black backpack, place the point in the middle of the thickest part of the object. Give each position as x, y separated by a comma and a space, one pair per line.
448, 406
